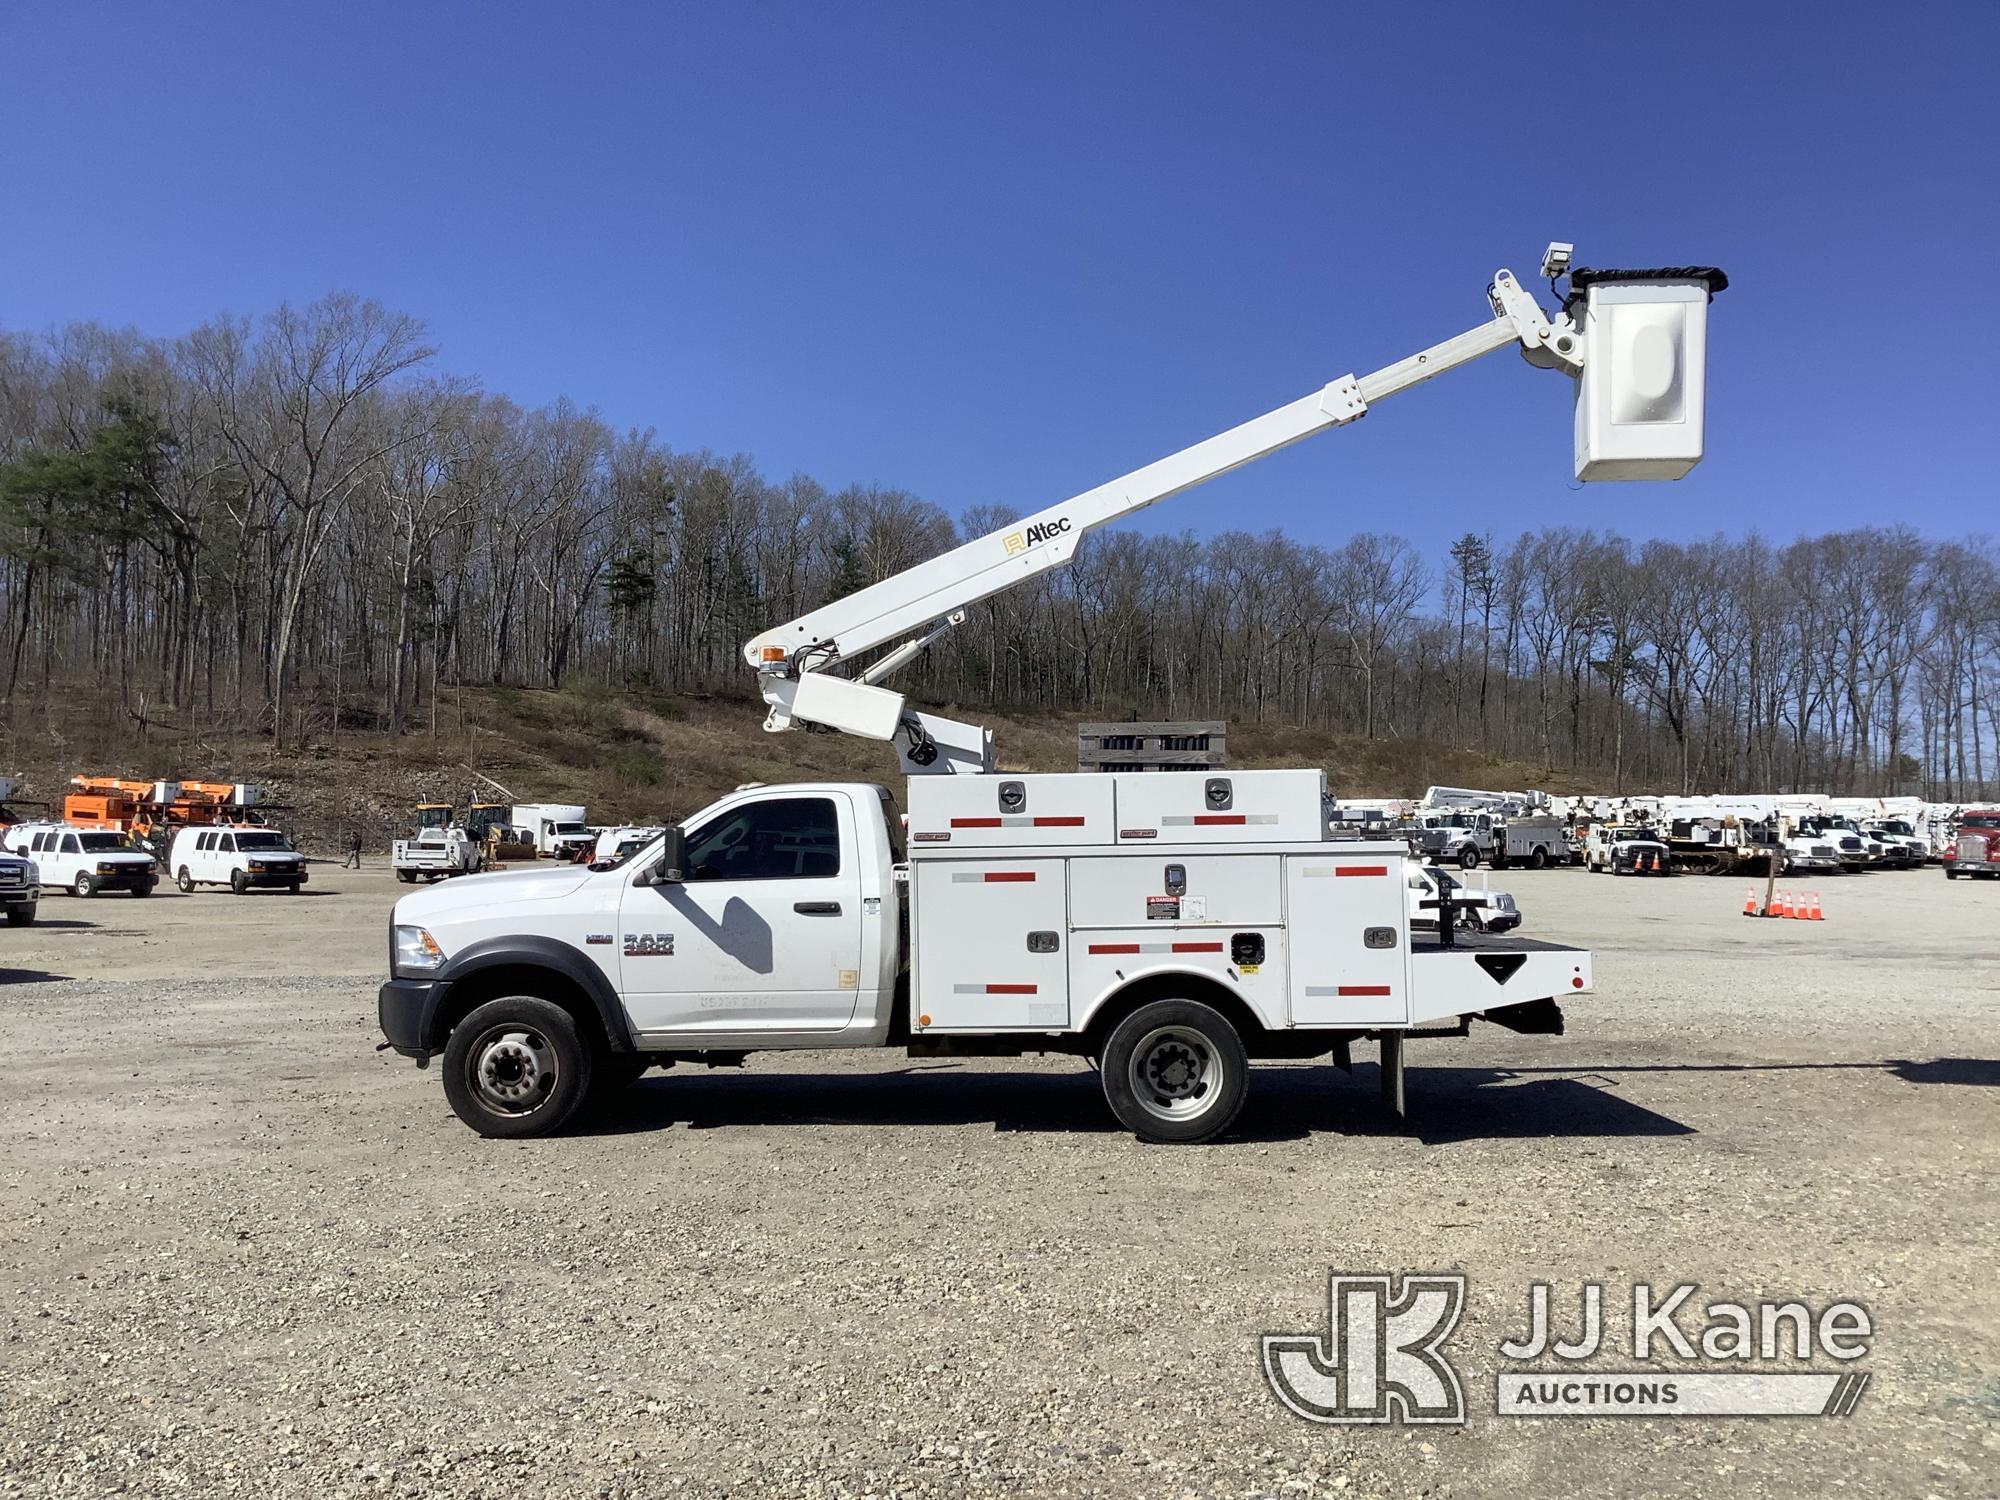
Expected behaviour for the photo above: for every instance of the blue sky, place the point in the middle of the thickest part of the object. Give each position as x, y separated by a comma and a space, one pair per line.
1000, 253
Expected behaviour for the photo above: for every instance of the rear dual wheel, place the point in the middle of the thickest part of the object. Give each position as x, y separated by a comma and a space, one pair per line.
1175, 1071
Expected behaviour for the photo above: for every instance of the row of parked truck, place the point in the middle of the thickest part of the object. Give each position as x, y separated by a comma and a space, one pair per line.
1785, 834
107, 834
450, 840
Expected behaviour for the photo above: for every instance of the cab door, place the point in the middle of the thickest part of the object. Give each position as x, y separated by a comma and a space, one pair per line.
764, 934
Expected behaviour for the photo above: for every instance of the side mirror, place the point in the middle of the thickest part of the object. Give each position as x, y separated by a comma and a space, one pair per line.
668, 868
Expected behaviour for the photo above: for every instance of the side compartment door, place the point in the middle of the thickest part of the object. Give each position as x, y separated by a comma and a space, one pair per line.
764, 934
1349, 929
989, 934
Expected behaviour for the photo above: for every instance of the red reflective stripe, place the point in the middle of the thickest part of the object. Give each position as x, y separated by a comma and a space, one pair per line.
975, 822
1197, 947
1364, 989
1203, 819
1013, 989
1059, 822
1009, 875
1114, 947
1360, 869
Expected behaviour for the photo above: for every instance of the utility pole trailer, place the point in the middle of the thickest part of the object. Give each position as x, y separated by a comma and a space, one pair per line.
1171, 928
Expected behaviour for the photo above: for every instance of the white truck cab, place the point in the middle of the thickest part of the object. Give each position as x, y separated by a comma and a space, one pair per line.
240, 858
20, 888
1173, 928
1478, 909
85, 860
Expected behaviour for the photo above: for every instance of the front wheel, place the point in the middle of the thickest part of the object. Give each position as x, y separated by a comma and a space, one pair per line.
143, 888
86, 884
1950, 872
1175, 1072
1468, 858
516, 1067
239, 882
1539, 860
185, 881
21, 914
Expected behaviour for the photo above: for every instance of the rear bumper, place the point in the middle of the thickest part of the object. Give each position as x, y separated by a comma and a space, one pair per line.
404, 1007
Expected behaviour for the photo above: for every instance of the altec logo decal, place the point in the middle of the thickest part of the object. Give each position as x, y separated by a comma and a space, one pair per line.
1041, 531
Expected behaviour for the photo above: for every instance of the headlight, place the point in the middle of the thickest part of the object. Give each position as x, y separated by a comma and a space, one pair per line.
1503, 901
416, 951
105, 867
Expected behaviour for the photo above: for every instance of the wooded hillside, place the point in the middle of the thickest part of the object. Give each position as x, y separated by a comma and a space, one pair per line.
278, 521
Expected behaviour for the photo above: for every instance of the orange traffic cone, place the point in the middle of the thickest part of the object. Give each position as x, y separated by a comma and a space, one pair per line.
1816, 915
1749, 901
1781, 906
1801, 909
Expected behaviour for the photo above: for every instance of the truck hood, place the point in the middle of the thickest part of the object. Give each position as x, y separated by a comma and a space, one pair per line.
491, 890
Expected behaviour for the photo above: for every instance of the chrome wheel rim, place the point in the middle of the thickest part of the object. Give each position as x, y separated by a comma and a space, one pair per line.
513, 1069
1175, 1073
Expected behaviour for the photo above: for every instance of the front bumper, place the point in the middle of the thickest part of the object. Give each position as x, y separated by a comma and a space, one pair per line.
127, 880
404, 1008
294, 876
20, 895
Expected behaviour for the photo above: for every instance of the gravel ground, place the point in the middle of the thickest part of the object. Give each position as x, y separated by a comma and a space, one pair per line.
247, 1254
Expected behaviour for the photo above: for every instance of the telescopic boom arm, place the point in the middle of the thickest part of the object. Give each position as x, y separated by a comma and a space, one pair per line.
795, 661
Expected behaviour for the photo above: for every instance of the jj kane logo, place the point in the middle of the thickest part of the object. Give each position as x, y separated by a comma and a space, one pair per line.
1035, 535
1382, 1358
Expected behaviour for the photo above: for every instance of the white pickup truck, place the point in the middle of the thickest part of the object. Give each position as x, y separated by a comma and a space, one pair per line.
434, 853
1172, 928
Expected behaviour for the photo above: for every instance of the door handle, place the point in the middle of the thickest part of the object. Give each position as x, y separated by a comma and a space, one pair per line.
817, 908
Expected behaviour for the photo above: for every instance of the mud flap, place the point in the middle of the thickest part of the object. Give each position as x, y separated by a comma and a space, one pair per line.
1392, 1070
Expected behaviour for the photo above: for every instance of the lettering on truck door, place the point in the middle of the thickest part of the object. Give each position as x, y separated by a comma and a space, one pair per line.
765, 932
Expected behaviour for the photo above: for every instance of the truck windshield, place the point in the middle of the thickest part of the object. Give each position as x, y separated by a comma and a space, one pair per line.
246, 840
570, 828
1980, 820
103, 843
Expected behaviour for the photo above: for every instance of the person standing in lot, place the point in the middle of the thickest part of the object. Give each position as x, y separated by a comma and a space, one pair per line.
353, 860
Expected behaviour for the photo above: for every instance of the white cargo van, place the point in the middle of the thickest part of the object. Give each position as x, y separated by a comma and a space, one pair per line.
85, 860
236, 857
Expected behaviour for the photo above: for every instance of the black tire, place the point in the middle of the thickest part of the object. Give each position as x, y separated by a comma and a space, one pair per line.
21, 914
1175, 1072
516, 1068
185, 881
1468, 857
1950, 872
292, 886
239, 881
86, 884
144, 888
1539, 860
406, 877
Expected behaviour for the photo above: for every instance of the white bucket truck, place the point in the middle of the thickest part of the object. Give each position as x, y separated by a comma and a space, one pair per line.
1172, 928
